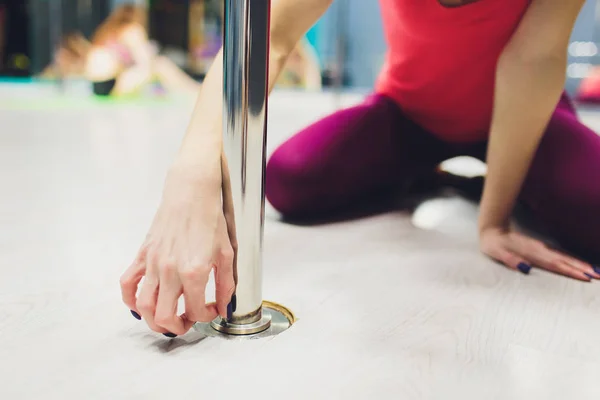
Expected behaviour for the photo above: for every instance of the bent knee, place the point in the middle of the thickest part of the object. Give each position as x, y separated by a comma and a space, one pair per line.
287, 183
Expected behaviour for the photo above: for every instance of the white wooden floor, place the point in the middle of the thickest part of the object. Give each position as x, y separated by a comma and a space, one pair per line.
386, 308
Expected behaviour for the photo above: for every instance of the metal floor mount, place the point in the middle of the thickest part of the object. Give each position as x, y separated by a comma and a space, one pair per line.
276, 319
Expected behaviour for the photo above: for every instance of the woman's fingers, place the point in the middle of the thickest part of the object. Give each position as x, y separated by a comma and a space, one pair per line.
583, 267
560, 267
199, 312
194, 282
543, 257
131, 279
146, 303
516, 262
510, 259
520, 252
129, 284
224, 281
553, 261
169, 291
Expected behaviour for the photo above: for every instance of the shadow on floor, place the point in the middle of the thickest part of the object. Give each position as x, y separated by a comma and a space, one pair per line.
407, 199
167, 346
446, 185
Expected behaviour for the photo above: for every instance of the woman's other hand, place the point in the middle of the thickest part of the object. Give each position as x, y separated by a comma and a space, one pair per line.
521, 253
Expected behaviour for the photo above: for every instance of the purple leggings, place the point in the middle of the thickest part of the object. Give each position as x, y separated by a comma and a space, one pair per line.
373, 147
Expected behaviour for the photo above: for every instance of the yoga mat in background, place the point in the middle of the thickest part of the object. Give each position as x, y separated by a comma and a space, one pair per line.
38, 94
74, 103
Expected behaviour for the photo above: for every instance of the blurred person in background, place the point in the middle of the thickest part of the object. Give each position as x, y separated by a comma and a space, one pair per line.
70, 58
480, 78
120, 59
302, 69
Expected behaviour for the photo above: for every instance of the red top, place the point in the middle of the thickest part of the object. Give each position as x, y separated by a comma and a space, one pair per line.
441, 62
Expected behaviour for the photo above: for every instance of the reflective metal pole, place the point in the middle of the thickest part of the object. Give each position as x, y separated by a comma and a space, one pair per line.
245, 91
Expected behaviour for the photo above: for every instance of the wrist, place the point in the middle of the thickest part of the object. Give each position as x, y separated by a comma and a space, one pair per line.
192, 180
486, 223
199, 158
495, 212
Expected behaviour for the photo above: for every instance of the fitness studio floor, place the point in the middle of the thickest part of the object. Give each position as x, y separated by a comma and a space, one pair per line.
399, 305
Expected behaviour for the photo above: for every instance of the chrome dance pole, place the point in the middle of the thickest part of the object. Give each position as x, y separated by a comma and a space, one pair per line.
245, 92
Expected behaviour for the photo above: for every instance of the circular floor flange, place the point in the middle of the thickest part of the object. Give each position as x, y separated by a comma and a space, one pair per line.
228, 328
275, 316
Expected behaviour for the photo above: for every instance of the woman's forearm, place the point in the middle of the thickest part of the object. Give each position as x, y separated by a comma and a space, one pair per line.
202, 142
528, 88
202, 146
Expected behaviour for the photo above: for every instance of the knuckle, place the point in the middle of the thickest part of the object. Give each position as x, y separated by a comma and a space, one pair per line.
126, 301
124, 281
162, 320
203, 317
152, 255
194, 315
195, 271
230, 290
515, 237
154, 327
145, 306
168, 267
227, 254
509, 259
190, 315
226, 285
487, 249
197, 313
556, 264
537, 247
190, 274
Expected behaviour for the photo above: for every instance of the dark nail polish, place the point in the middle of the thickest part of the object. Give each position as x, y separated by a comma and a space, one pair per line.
590, 276
231, 307
170, 335
136, 315
596, 269
229, 311
524, 268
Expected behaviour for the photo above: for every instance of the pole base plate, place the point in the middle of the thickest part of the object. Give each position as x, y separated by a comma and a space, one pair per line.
276, 319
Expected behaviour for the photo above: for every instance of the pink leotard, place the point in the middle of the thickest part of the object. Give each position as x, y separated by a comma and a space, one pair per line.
441, 61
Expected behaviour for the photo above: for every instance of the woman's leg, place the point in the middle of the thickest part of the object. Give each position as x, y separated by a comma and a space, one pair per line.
348, 156
563, 185
172, 77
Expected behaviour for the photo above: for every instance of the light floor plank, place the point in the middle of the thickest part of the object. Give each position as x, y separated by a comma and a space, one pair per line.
385, 308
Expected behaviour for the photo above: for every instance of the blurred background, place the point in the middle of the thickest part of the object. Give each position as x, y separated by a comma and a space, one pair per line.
344, 50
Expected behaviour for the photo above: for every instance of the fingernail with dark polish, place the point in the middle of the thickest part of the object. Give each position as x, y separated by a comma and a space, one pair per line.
524, 268
590, 276
229, 310
170, 335
596, 268
231, 306
136, 315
